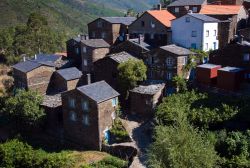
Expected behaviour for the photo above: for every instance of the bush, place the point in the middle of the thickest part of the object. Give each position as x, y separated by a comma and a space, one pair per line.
110, 162
20, 155
118, 132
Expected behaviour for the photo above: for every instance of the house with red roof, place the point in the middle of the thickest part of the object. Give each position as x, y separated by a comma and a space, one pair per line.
232, 18
154, 25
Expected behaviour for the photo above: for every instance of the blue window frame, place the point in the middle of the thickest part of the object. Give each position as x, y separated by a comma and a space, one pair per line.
114, 102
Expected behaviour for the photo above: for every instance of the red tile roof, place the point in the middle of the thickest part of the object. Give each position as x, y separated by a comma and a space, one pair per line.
162, 16
220, 9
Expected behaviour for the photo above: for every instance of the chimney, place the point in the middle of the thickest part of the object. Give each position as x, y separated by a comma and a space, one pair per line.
35, 57
88, 79
190, 11
126, 37
138, 15
84, 37
159, 6
24, 58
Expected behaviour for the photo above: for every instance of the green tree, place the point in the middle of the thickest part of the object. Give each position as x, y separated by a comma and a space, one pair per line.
131, 72
181, 146
180, 83
24, 108
131, 12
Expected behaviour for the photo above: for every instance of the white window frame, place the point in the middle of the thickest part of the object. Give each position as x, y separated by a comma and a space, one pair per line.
115, 102
85, 105
215, 32
169, 61
176, 10
84, 49
77, 50
85, 62
169, 75
185, 60
246, 56
104, 35
152, 24
206, 46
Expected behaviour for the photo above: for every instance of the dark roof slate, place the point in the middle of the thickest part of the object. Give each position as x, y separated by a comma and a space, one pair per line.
26, 66
46, 59
177, 50
187, 2
99, 91
143, 45
70, 73
96, 43
120, 20
149, 89
204, 18
121, 57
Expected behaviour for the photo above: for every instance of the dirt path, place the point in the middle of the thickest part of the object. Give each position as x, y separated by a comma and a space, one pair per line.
139, 134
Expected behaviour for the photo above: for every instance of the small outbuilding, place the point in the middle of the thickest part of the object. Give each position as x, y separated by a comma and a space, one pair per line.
67, 79
144, 99
207, 74
229, 78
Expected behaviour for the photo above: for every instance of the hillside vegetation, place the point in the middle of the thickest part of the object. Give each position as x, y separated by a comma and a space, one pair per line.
69, 16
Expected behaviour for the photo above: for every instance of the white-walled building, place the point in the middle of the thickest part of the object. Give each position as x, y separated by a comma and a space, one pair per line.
196, 31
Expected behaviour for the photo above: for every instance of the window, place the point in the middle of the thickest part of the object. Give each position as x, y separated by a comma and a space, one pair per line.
99, 24
72, 116
193, 45
176, 10
194, 33
215, 45
169, 75
142, 23
246, 57
215, 33
72, 103
114, 102
85, 106
77, 51
184, 60
206, 46
93, 34
84, 49
195, 9
103, 35
85, 62
151, 60
152, 36
207, 33
148, 102
85, 120
169, 61
152, 24
187, 19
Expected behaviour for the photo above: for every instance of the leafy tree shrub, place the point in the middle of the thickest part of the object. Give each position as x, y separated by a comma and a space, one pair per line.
110, 162
24, 108
16, 154
181, 146
118, 132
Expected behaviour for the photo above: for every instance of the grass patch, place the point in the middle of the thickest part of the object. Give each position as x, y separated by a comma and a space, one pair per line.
118, 132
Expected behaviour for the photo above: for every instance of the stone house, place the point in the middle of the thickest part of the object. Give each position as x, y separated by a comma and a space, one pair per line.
111, 29
66, 79
35, 74
154, 25
144, 99
232, 18
227, 2
136, 47
166, 62
106, 68
195, 31
88, 112
182, 7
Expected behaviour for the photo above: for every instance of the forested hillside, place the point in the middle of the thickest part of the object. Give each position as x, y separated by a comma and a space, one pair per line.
69, 16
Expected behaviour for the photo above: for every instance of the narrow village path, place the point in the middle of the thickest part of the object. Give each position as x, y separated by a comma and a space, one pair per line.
140, 136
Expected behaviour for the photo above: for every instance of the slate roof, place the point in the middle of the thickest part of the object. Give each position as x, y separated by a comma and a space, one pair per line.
187, 2
52, 101
41, 59
120, 20
208, 66
26, 66
230, 69
121, 57
220, 9
70, 73
177, 50
204, 18
162, 16
99, 91
150, 89
96, 43
143, 45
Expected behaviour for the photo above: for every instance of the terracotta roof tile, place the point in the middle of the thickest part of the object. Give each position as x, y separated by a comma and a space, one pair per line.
220, 9
163, 16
